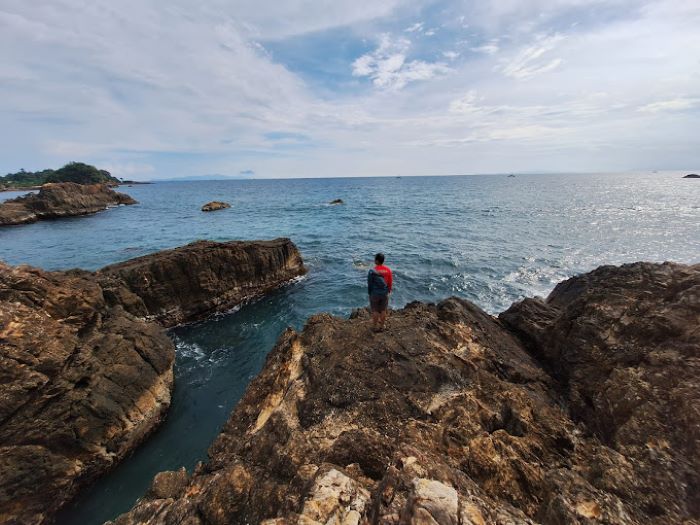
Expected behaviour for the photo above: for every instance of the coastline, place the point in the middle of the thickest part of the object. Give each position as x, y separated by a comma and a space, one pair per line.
35, 188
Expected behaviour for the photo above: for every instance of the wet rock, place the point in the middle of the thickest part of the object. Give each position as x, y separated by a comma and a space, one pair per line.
336, 201
194, 281
215, 205
453, 416
64, 199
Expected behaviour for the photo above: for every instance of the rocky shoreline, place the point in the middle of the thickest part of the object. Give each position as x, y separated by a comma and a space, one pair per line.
581, 408
57, 200
87, 368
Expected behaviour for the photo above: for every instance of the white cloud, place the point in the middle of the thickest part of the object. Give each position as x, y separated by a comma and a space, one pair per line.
450, 55
388, 68
418, 26
490, 48
675, 104
527, 62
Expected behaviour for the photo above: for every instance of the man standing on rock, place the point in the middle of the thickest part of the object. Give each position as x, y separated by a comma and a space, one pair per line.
379, 281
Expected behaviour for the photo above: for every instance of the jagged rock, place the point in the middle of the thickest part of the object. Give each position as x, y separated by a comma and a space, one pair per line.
82, 382
215, 205
204, 277
56, 200
692, 176
336, 201
448, 418
84, 375
625, 346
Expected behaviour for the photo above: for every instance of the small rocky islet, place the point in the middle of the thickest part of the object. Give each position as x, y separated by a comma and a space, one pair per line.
61, 199
215, 205
580, 408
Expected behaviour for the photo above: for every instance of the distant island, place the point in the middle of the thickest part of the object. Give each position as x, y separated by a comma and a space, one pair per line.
77, 172
692, 176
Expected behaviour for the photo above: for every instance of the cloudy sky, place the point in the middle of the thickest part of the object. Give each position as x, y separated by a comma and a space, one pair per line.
310, 88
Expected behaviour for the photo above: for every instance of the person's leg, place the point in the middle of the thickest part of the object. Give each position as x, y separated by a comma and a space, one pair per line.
375, 320
384, 309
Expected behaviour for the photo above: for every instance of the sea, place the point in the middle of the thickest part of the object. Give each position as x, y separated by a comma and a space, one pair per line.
491, 239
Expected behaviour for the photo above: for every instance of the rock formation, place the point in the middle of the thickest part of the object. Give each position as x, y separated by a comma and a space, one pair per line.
579, 409
204, 277
336, 201
65, 199
692, 176
215, 205
82, 383
85, 375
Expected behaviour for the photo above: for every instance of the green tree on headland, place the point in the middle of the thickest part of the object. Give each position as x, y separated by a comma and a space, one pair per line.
77, 172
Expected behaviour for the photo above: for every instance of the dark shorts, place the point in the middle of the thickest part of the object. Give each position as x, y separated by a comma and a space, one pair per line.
378, 303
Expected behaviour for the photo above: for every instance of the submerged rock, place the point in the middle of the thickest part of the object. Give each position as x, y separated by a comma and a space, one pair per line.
578, 409
215, 205
692, 176
194, 281
56, 200
84, 373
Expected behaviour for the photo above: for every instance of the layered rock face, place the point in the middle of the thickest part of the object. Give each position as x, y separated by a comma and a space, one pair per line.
82, 382
624, 345
204, 277
579, 409
65, 199
84, 373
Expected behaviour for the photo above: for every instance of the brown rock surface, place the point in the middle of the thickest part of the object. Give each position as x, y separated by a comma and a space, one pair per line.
204, 277
82, 382
215, 205
447, 418
84, 377
64, 199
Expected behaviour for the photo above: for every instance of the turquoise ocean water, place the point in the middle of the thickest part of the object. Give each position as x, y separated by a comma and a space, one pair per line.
490, 239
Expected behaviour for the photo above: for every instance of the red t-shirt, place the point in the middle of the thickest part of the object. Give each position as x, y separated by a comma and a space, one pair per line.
385, 272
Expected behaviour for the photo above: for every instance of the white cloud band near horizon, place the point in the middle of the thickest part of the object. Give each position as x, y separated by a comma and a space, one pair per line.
303, 88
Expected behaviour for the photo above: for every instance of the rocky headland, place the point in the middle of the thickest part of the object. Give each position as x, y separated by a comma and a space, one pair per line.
57, 200
215, 205
581, 408
194, 281
86, 368
692, 176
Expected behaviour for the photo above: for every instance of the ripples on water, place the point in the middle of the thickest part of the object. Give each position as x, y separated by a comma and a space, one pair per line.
490, 239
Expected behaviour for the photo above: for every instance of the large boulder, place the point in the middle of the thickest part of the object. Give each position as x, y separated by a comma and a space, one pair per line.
56, 200
85, 373
580, 409
194, 281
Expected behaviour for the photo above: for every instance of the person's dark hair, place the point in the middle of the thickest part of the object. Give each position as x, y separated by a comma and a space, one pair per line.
379, 258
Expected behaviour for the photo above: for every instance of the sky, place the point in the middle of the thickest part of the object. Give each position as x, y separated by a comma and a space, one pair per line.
153, 89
